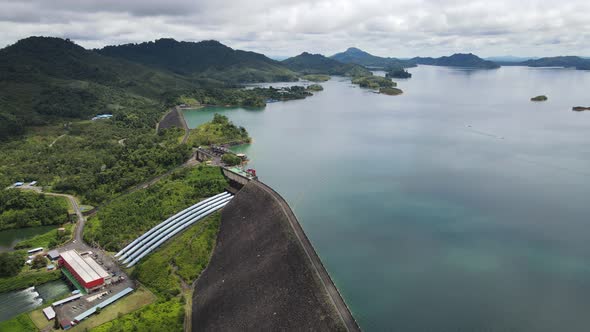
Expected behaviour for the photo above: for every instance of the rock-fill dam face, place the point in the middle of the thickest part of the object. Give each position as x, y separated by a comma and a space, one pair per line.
260, 277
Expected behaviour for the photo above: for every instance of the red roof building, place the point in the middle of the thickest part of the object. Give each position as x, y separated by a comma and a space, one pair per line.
86, 271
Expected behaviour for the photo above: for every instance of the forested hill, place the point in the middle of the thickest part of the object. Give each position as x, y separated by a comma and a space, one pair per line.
206, 59
457, 60
360, 57
307, 63
43, 79
559, 61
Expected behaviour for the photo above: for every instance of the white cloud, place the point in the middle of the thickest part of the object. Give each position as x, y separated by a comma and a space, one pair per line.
390, 28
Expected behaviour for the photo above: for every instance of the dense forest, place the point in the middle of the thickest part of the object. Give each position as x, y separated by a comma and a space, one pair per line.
218, 131
127, 217
559, 61
27, 209
360, 57
94, 160
11, 263
50, 80
47, 80
307, 63
206, 59
256, 97
457, 60
397, 72
374, 82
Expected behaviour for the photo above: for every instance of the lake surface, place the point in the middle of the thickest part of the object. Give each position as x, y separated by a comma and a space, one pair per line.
458, 206
10, 237
17, 302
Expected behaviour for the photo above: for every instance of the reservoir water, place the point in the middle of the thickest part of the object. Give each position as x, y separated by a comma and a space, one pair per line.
17, 302
458, 206
10, 237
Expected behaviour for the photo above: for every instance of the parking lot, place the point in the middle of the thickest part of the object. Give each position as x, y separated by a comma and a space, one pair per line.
119, 281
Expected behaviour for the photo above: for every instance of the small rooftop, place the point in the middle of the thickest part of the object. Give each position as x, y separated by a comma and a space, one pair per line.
49, 313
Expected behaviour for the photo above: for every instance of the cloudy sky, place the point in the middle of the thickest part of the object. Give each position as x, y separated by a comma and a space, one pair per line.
400, 28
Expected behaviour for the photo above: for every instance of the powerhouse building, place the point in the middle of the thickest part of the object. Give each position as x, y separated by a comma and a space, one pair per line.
86, 270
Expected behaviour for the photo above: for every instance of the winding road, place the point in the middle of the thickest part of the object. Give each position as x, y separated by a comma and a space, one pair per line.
78, 236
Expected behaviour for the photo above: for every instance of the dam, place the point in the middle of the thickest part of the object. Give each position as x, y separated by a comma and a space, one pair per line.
264, 273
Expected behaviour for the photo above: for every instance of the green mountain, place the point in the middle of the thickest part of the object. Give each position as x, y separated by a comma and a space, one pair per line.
307, 63
43, 79
206, 59
360, 57
559, 61
457, 60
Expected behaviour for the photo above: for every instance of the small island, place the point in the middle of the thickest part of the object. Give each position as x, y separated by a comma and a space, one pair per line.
316, 78
397, 72
383, 85
374, 82
391, 91
539, 98
315, 88
580, 108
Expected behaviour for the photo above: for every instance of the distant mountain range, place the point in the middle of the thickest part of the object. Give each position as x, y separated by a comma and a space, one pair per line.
206, 59
307, 63
360, 57
509, 58
355, 55
559, 61
457, 60
43, 78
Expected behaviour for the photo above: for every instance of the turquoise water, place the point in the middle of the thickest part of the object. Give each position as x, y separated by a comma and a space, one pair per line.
458, 206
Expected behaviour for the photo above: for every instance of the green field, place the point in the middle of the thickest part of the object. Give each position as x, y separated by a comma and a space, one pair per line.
20, 323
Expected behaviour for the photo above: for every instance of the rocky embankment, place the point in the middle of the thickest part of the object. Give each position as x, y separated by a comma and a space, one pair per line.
261, 277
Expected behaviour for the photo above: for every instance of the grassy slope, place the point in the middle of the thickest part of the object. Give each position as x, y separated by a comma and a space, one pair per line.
20, 323
130, 303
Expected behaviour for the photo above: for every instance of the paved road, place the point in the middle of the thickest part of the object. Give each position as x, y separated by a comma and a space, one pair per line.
316, 263
81, 220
